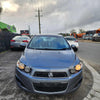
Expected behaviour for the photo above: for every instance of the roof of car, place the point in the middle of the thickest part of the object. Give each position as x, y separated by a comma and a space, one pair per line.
21, 36
69, 37
50, 35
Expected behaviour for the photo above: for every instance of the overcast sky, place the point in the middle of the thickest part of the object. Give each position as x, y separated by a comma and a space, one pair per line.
57, 15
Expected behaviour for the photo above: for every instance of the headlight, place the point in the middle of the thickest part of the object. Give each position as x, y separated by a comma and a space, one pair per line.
75, 69
23, 67
78, 67
72, 70
27, 69
20, 65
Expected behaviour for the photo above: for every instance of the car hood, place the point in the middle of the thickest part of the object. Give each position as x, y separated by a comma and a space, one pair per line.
48, 58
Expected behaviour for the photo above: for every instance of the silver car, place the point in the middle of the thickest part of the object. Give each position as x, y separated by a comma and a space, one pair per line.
72, 41
19, 42
96, 37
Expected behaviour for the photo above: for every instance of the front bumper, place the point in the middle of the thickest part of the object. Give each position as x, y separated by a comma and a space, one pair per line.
48, 85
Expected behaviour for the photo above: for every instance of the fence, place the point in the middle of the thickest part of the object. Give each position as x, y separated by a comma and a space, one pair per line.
5, 38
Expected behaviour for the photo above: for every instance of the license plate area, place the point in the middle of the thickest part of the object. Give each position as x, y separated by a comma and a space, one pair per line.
50, 87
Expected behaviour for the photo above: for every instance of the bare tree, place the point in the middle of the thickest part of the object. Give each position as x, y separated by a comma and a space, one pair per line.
81, 31
64, 34
73, 31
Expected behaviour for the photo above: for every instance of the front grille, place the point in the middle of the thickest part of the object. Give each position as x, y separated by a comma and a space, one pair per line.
59, 74
50, 74
41, 74
50, 87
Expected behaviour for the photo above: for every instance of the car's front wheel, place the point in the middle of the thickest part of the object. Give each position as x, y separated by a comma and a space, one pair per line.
76, 49
12, 49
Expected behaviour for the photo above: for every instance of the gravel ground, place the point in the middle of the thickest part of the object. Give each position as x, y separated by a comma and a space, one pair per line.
10, 91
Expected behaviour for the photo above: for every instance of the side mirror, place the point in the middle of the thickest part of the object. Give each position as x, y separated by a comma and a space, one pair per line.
74, 47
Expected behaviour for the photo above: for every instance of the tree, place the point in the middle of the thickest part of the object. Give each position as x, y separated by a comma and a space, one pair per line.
81, 31
67, 34
64, 34
73, 31
0, 10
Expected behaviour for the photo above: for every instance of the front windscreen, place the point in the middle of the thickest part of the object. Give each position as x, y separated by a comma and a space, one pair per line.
48, 43
21, 38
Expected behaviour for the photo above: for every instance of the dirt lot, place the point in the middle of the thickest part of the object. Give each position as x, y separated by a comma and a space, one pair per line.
9, 90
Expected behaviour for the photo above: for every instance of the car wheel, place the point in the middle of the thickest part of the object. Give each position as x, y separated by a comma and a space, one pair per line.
12, 49
76, 49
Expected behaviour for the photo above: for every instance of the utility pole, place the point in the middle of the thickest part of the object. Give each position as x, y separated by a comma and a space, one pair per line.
39, 18
29, 28
39, 21
0, 9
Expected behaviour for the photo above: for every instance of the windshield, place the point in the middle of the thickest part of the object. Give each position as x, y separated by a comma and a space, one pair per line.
21, 38
48, 43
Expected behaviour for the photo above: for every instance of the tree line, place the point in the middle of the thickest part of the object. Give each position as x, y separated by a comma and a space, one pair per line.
73, 31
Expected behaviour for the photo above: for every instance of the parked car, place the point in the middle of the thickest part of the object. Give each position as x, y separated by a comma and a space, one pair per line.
87, 37
96, 37
19, 42
72, 41
49, 66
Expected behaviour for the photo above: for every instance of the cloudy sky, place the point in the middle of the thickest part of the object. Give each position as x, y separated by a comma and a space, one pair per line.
57, 15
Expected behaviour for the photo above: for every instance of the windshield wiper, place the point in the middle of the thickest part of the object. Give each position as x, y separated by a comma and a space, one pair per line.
63, 48
45, 49
42, 48
49, 49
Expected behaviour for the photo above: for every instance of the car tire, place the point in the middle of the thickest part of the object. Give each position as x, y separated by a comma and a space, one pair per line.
76, 49
12, 49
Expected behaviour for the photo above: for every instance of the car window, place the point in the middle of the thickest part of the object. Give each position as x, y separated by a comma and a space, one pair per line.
25, 37
98, 34
21, 38
91, 34
48, 42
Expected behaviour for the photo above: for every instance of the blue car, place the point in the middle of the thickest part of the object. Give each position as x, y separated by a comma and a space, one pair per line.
49, 66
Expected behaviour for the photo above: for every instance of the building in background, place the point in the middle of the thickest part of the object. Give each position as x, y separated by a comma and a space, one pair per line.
25, 32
